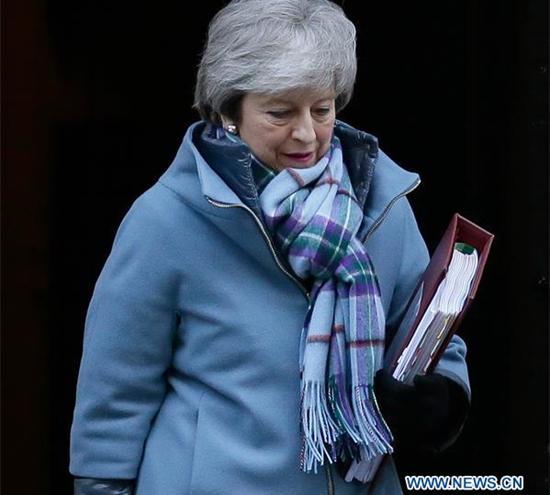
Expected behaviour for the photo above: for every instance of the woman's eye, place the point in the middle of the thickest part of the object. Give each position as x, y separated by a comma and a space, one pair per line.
322, 111
278, 114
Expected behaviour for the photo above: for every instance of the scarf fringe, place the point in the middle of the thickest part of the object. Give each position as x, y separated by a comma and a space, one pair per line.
319, 429
322, 434
376, 437
342, 411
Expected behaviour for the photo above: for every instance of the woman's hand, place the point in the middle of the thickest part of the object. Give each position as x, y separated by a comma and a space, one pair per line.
424, 416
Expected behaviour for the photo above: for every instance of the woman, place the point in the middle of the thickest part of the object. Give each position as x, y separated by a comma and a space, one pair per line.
234, 334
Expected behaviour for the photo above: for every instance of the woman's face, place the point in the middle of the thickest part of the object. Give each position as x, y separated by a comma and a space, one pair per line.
291, 129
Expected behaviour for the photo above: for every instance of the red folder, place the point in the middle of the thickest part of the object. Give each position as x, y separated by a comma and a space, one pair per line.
459, 230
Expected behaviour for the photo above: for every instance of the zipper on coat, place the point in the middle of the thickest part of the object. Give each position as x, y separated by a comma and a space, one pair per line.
267, 238
387, 209
330, 481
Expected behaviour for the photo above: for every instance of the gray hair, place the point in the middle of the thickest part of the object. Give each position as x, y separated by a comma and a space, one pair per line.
270, 46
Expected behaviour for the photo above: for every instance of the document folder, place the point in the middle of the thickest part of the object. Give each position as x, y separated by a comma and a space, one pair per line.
460, 231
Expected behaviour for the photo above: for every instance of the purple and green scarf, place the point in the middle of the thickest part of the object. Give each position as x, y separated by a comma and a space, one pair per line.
313, 216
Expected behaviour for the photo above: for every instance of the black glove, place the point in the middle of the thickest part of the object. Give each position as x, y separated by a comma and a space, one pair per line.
427, 415
92, 486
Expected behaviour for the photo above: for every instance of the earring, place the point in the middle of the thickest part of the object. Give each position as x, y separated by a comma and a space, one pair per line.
232, 129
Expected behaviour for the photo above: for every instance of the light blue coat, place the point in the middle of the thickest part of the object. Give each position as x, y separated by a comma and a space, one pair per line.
189, 378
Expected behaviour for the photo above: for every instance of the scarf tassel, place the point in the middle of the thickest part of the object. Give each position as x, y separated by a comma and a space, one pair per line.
342, 411
319, 429
376, 437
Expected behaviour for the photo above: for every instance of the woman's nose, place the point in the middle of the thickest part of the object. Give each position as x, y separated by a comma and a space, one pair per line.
304, 129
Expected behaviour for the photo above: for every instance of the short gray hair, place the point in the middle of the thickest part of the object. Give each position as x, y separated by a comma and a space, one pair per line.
270, 46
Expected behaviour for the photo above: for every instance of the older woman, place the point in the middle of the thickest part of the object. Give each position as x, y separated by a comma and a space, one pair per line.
234, 334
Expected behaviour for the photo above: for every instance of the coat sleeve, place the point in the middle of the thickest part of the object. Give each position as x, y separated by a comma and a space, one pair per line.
414, 260
127, 348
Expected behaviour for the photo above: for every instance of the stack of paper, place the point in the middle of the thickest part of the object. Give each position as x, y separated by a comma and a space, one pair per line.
440, 315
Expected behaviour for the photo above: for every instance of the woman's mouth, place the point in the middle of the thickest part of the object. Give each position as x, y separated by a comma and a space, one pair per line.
300, 157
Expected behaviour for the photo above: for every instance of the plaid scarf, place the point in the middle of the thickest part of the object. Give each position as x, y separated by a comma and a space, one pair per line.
313, 216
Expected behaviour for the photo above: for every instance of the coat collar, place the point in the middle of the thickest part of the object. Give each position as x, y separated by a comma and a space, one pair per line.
225, 175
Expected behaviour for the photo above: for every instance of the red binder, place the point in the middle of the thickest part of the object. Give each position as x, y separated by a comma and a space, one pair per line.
459, 230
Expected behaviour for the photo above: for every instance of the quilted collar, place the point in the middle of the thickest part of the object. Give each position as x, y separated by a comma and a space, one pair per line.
232, 162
